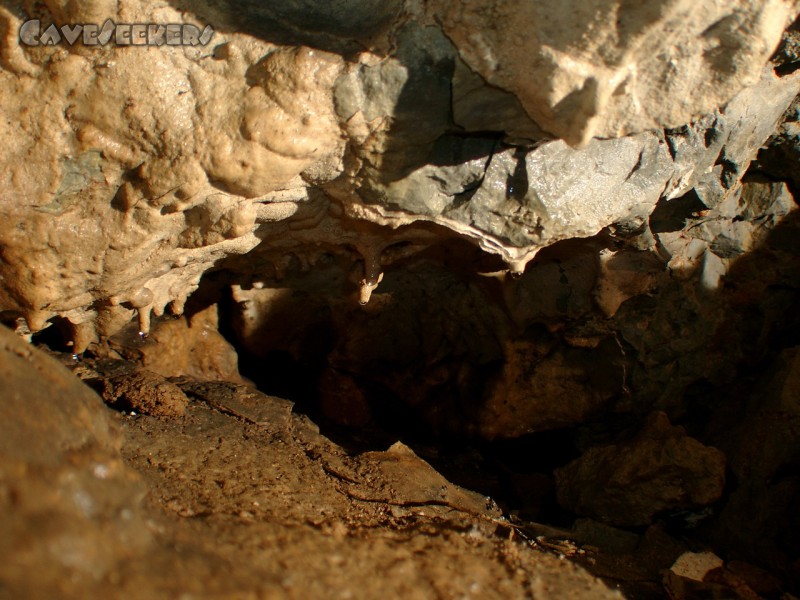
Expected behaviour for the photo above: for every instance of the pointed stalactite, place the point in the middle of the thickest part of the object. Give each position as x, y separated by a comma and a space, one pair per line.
366, 288
373, 271
83, 334
37, 320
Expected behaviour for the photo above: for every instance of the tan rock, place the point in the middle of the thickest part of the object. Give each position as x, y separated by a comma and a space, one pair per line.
142, 391
69, 513
584, 69
192, 347
543, 386
141, 168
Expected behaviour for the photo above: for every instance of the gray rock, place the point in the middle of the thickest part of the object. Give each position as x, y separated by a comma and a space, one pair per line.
521, 203
713, 153
781, 153
519, 200
421, 67
455, 169
480, 107
515, 200
608, 68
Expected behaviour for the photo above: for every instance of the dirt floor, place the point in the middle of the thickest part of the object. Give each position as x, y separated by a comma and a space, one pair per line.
241, 487
180, 487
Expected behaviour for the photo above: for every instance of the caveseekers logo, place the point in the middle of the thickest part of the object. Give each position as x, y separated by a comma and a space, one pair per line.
121, 34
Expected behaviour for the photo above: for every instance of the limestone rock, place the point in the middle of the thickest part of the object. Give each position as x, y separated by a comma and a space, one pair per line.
480, 107
515, 200
148, 167
713, 153
781, 153
627, 484
603, 68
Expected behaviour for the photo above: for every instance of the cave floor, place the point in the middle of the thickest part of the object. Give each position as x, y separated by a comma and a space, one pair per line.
246, 499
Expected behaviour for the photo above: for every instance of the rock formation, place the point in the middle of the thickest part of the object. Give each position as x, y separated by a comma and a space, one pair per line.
135, 170
483, 221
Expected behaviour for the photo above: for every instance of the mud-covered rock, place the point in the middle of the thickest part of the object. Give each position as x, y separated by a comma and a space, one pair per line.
70, 507
627, 484
129, 387
240, 485
191, 345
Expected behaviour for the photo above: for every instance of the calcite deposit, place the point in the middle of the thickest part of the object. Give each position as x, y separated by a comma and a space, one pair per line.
131, 171
609, 76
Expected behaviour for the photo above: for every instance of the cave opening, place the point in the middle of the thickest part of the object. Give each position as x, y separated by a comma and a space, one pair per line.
574, 355
417, 364
504, 383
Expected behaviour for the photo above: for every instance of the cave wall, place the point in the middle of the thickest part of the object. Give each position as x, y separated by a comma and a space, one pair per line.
493, 219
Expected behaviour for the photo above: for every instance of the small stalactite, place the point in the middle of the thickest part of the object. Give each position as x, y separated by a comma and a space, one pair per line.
144, 320
176, 307
517, 266
366, 288
37, 320
83, 334
373, 270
